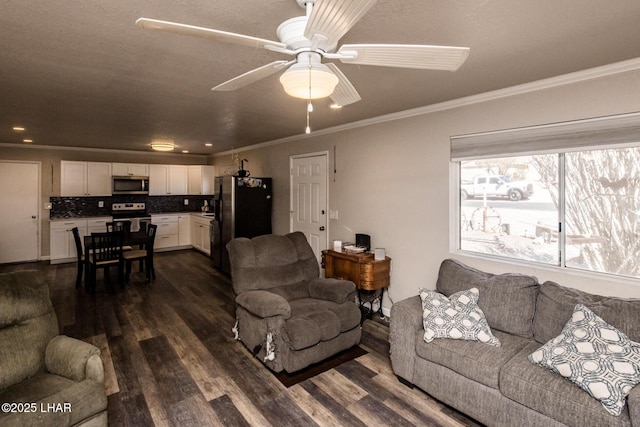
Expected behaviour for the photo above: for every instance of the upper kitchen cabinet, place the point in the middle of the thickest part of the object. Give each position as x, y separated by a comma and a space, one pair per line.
129, 169
201, 179
85, 178
167, 180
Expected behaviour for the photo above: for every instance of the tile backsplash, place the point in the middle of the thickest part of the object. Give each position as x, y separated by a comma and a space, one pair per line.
73, 207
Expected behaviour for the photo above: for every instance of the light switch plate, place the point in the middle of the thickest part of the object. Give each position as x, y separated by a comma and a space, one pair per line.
101, 204
333, 214
186, 202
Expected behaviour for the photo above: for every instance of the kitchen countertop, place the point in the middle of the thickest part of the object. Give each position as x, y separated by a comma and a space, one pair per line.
198, 214
80, 218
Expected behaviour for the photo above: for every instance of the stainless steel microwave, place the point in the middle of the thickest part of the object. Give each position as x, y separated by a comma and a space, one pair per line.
130, 185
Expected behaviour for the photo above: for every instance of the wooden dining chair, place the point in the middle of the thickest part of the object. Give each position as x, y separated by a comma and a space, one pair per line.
144, 255
78, 241
124, 226
106, 253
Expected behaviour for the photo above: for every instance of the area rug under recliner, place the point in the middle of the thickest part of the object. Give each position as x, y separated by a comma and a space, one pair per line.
311, 371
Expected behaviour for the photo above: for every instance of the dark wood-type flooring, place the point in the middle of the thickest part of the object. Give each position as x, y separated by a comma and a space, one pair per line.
170, 358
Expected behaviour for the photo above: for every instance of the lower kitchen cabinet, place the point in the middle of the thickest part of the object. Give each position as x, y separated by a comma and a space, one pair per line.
62, 247
167, 233
200, 237
175, 231
97, 225
184, 229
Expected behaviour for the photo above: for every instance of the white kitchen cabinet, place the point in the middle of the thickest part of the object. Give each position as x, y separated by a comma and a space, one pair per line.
98, 225
158, 180
167, 180
184, 229
167, 233
200, 238
200, 179
62, 246
85, 178
129, 169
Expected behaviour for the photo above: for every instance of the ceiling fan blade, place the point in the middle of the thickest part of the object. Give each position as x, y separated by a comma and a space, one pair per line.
344, 93
331, 19
223, 36
448, 58
253, 76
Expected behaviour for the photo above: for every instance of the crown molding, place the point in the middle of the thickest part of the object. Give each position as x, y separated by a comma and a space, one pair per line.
551, 82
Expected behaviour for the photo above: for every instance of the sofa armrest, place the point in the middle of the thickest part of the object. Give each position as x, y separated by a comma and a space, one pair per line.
264, 304
73, 359
336, 290
633, 400
406, 323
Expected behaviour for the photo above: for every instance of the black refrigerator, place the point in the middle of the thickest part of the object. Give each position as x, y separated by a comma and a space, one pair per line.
242, 208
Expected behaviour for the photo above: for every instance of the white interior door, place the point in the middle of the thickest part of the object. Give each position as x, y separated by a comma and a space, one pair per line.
19, 192
309, 199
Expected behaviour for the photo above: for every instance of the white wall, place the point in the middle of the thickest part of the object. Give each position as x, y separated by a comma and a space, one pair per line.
392, 179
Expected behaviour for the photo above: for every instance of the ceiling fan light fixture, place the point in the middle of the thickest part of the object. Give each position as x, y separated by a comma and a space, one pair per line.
309, 81
163, 145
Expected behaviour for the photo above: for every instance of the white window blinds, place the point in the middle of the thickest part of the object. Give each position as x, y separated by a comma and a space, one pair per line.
601, 132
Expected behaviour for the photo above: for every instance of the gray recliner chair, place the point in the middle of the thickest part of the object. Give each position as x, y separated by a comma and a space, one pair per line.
57, 380
287, 315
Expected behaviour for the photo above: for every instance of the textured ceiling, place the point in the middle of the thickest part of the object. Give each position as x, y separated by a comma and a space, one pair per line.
80, 73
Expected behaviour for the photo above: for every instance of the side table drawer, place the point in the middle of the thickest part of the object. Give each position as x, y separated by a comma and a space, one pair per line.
375, 275
367, 273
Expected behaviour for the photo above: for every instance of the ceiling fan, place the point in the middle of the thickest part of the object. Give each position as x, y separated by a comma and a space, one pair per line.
314, 37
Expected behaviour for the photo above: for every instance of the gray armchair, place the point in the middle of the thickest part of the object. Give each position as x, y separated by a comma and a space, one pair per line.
61, 379
286, 314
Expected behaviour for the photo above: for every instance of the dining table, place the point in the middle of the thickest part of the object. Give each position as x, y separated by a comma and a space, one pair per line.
131, 238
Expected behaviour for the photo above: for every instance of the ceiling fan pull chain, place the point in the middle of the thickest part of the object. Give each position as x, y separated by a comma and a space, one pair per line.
309, 104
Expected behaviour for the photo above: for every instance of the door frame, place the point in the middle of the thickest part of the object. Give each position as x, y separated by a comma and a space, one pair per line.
293, 157
38, 201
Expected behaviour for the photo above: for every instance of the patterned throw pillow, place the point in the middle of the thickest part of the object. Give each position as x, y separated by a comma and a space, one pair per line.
594, 355
457, 317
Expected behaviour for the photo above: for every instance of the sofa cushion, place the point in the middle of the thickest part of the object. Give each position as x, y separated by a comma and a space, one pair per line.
348, 313
556, 303
457, 317
595, 356
302, 332
543, 391
473, 359
507, 300
292, 292
314, 320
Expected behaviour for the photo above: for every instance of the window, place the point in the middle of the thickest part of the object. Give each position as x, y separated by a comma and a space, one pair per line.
602, 210
516, 214
572, 199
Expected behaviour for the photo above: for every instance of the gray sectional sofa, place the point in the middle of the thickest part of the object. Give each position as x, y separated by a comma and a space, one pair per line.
500, 386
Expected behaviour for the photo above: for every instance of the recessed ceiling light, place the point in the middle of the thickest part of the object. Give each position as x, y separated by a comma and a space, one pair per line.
27, 140
335, 106
208, 144
19, 128
185, 151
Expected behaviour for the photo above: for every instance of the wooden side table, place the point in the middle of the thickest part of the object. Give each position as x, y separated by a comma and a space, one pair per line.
370, 276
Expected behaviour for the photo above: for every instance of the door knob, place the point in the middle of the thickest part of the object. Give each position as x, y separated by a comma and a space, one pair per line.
33, 217
322, 228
